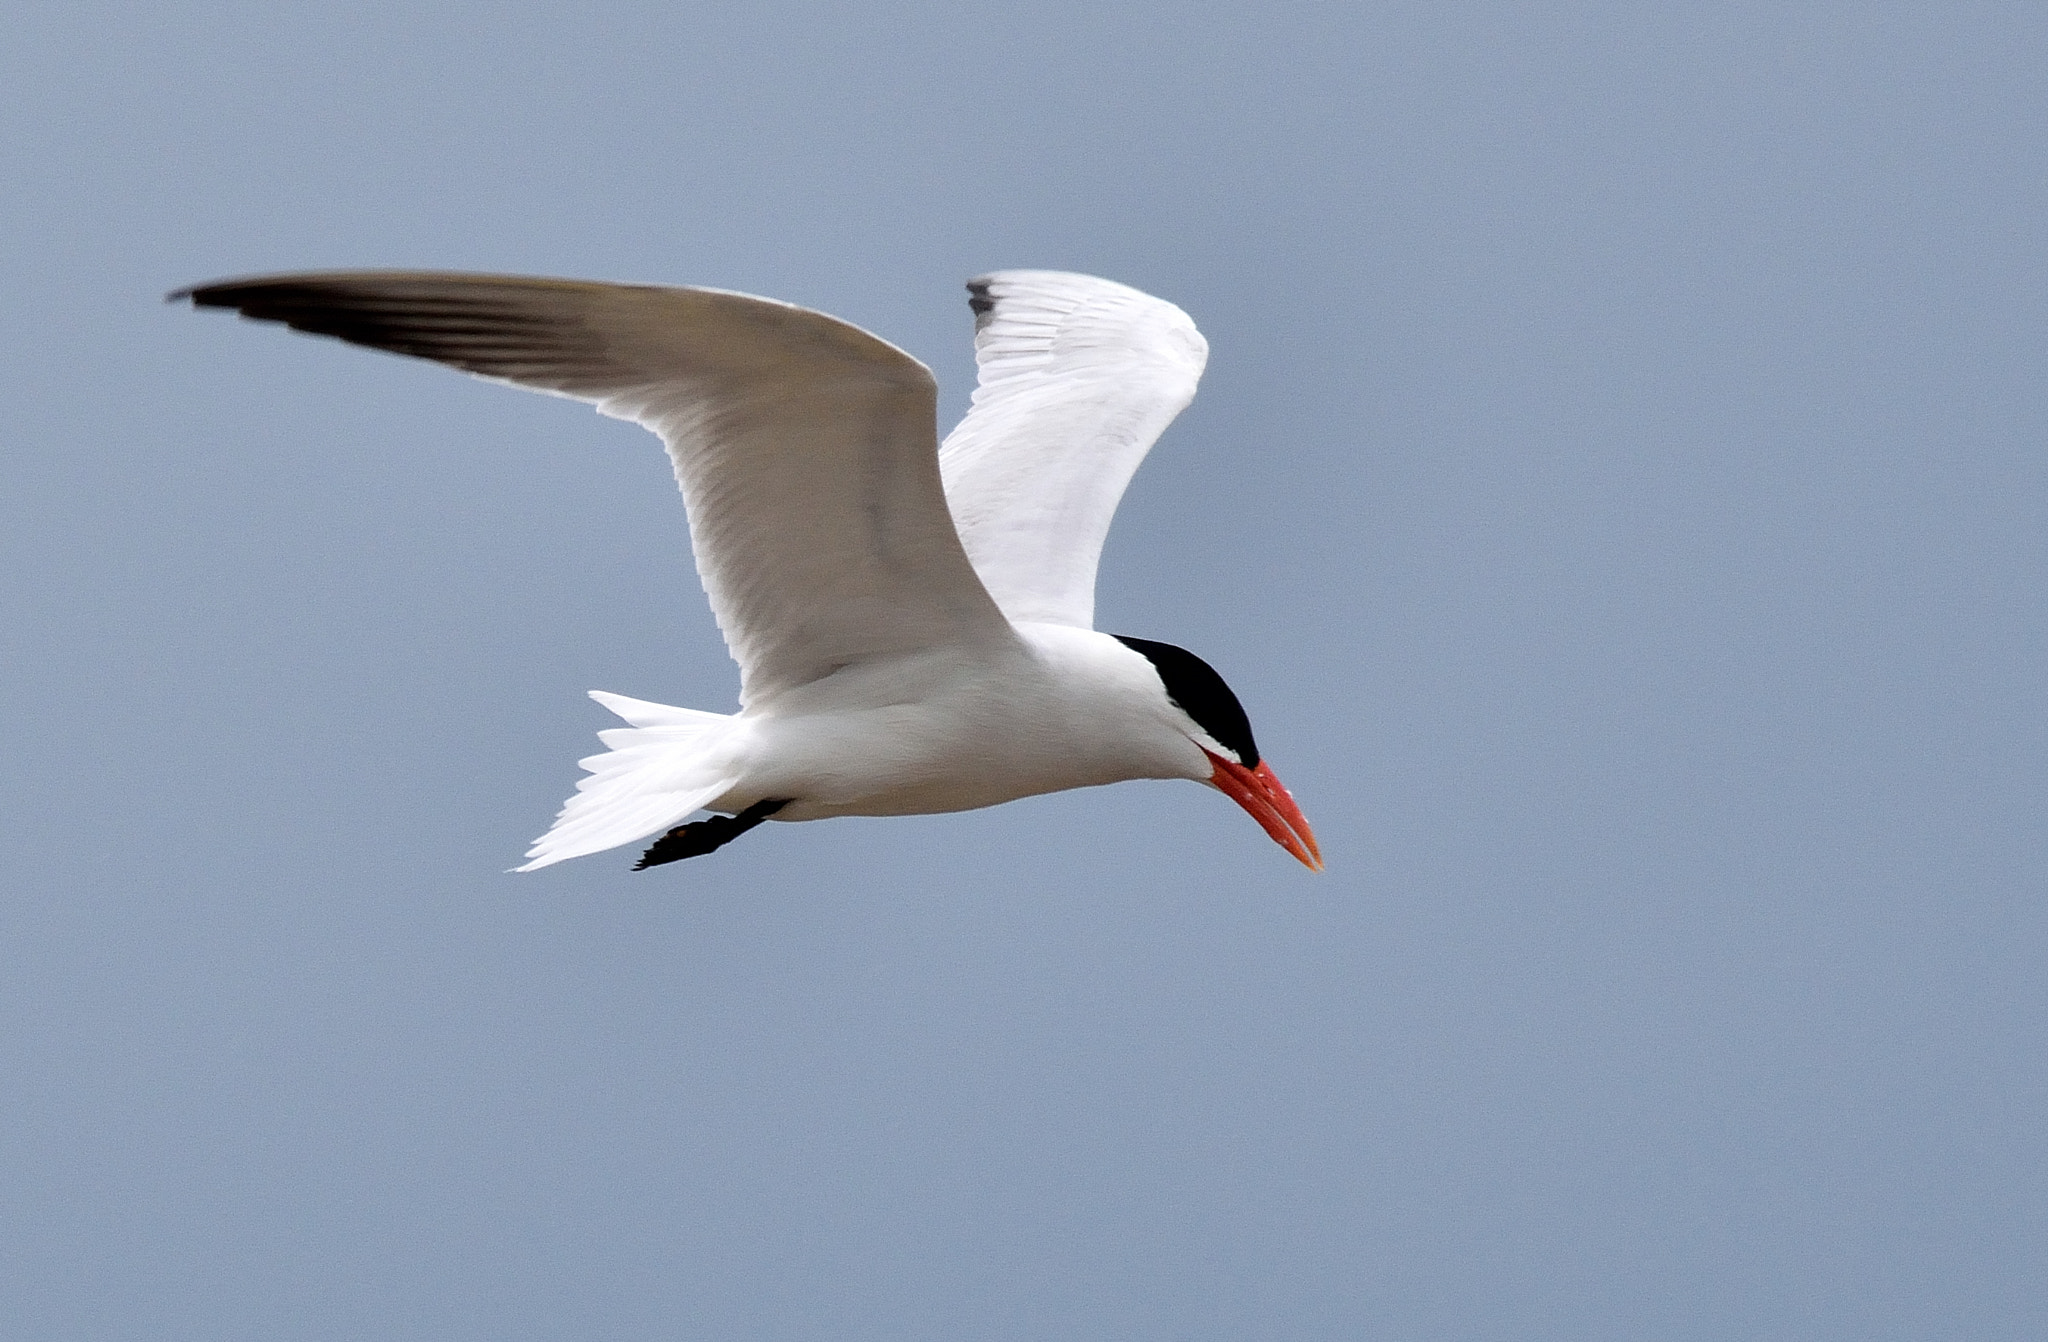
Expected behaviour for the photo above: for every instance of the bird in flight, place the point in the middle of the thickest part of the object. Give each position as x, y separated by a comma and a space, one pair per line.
914, 622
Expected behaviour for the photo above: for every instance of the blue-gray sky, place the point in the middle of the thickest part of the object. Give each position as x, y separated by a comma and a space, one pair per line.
1616, 493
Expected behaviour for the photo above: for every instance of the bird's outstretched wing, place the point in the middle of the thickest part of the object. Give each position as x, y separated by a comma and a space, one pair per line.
1079, 376
805, 447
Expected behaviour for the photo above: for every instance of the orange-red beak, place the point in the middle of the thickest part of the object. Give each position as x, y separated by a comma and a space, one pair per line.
1266, 801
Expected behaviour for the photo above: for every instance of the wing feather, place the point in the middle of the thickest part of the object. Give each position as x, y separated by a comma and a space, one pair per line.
805, 447
1078, 378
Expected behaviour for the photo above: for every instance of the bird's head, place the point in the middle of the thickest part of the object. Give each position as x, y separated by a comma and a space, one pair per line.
1215, 721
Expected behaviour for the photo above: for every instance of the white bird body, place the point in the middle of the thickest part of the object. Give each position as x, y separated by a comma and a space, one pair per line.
928, 732
913, 624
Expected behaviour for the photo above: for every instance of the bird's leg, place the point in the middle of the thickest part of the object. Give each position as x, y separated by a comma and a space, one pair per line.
703, 836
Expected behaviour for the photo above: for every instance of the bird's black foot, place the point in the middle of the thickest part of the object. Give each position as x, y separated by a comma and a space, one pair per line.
703, 836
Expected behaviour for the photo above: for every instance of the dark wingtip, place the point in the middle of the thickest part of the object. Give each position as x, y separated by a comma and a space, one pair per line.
982, 302
218, 294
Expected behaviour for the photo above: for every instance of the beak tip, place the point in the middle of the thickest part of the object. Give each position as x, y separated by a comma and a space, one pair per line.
1259, 791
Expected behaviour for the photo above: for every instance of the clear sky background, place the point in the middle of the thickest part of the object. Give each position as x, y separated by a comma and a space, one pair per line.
1616, 493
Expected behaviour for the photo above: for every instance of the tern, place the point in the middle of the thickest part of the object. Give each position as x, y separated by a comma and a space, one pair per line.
913, 622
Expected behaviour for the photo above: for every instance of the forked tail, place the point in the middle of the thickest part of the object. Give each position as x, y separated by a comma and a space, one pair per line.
667, 763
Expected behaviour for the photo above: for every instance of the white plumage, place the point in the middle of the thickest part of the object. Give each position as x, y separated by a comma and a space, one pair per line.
1078, 378
913, 624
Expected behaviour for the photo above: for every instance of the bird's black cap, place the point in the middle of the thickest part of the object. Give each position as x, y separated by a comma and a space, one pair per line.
1199, 692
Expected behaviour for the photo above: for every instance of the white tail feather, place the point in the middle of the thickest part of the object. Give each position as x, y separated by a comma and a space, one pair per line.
668, 763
